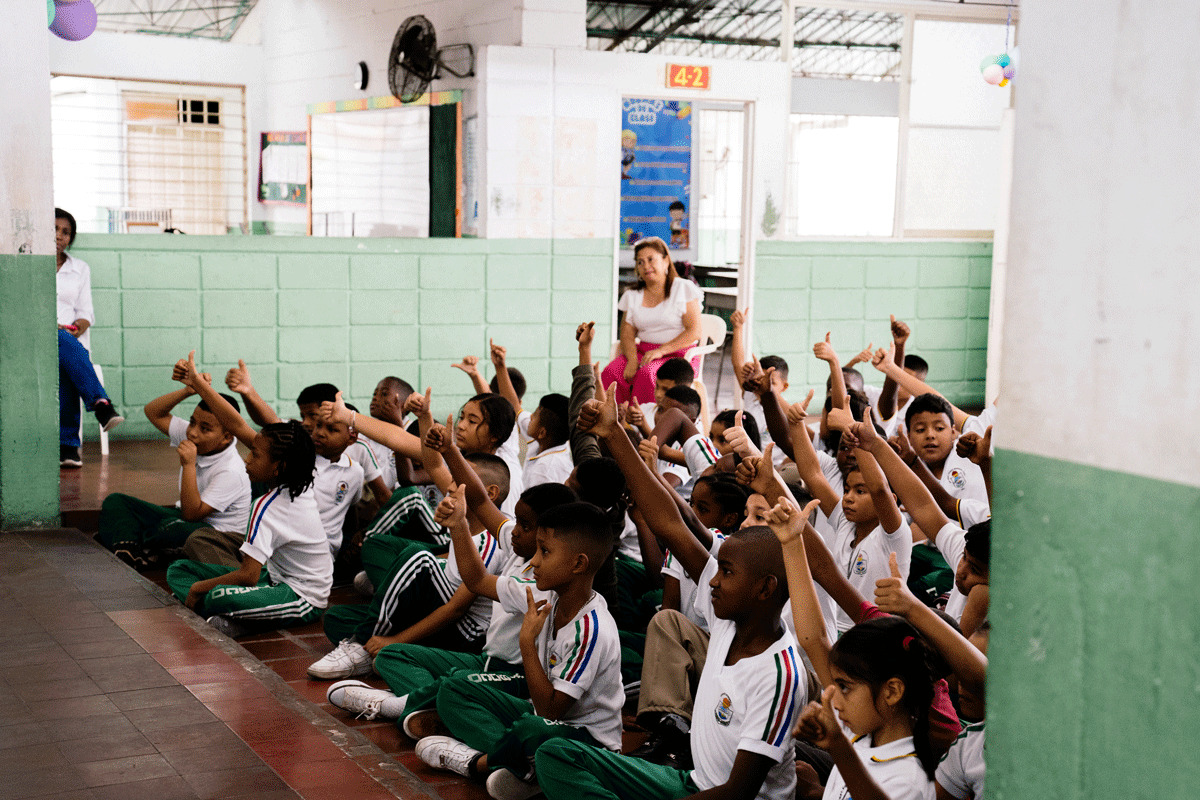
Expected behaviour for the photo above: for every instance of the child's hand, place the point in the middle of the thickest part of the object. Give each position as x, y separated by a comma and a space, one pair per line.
193, 597
738, 318
863, 356
787, 522
883, 358
824, 350
750, 375
840, 419
798, 412
238, 379
818, 722
191, 375
738, 440
440, 437
758, 473
634, 415
585, 333
418, 405
892, 594
535, 618
975, 447
648, 450
377, 643
498, 354
599, 418
187, 452
900, 331
469, 365
336, 411
902, 445
863, 432
452, 511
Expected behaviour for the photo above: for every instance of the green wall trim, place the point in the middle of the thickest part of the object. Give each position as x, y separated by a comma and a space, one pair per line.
348, 311
804, 289
28, 393
1093, 684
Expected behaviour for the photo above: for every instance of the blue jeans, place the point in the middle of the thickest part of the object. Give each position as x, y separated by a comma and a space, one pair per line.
76, 379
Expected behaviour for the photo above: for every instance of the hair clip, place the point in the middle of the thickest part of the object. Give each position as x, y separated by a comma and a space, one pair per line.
906, 641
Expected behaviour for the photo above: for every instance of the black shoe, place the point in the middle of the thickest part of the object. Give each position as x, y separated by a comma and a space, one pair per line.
674, 742
106, 415
68, 457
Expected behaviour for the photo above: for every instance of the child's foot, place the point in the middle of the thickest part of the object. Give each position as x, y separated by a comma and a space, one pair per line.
360, 699
345, 661
420, 724
363, 585
446, 752
106, 415
68, 457
227, 626
504, 784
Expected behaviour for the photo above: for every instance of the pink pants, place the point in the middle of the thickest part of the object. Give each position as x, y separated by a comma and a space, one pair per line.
642, 388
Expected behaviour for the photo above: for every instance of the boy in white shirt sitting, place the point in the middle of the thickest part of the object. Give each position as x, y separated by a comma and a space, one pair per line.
548, 457
213, 488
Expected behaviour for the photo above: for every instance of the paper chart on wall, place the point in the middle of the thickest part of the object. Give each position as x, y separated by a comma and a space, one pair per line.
283, 169
656, 171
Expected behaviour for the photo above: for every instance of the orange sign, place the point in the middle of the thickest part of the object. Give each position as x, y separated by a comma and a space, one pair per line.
682, 76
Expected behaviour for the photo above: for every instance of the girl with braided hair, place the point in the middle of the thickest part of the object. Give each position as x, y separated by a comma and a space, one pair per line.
286, 569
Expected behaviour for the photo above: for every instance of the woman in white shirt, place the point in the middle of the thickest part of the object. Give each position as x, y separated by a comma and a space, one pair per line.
661, 321
76, 375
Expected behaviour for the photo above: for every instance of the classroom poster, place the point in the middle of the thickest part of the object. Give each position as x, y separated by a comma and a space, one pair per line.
656, 171
283, 168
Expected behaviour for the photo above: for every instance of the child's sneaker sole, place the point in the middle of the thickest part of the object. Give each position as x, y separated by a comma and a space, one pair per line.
420, 724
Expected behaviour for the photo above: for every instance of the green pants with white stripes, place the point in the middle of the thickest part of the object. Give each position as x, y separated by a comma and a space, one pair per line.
419, 672
499, 724
141, 528
568, 770
263, 606
413, 586
407, 515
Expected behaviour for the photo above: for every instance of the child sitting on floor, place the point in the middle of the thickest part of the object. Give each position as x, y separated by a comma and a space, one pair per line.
284, 534
213, 488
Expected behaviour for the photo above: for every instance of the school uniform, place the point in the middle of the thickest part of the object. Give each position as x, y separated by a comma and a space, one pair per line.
961, 772
951, 542
582, 660
510, 451
893, 766
382, 457
407, 515
963, 479
750, 705
361, 453
867, 561
752, 406
553, 465
337, 486
136, 526
286, 536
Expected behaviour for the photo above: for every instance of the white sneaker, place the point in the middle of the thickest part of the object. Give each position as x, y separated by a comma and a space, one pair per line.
358, 698
503, 784
363, 585
345, 661
446, 752
227, 626
423, 723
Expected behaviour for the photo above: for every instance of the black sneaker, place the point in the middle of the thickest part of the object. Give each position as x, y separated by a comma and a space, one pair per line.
106, 415
68, 457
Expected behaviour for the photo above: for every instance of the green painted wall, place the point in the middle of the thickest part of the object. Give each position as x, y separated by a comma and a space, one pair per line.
28, 393
347, 311
1093, 684
805, 288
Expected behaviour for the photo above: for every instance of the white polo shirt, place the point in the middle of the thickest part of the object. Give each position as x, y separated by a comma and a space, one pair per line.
73, 288
961, 772
385, 459
337, 486
893, 766
287, 536
549, 466
479, 613
868, 561
362, 453
221, 480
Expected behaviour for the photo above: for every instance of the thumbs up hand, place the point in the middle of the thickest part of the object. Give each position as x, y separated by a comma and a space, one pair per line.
892, 594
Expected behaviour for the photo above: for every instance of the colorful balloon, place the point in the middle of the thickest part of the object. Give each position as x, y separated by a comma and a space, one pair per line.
1003, 59
49, 12
993, 74
1003, 82
1010, 72
73, 21
987, 62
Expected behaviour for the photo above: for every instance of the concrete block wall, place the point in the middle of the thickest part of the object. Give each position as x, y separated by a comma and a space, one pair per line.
941, 289
346, 311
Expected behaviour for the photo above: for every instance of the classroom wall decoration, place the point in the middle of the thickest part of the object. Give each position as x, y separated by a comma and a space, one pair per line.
283, 168
656, 171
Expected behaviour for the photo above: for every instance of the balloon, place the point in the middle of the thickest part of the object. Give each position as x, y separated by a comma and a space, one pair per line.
50, 12
1003, 82
993, 74
1009, 72
1003, 60
987, 62
74, 21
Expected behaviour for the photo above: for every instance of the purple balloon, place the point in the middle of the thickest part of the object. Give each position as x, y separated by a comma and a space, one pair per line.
74, 21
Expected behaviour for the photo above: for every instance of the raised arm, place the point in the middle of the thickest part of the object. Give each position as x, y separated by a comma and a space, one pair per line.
887, 397
912, 493
885, 363
807, 464
230, 419
978, 450
647, 491
158, 410
431, 460
238, 381
503, 381
837, 381
737, 348
775, 413
451, 513
441, 439
470, 365
387, 434
881, 494
583, 388
789, 523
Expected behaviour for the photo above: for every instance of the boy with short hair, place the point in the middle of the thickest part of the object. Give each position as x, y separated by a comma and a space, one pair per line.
213, 488
751, 685
548, 457
387, 404
570, 651
929, 423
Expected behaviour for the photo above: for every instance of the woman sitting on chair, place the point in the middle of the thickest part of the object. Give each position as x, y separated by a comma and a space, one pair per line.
76, 375
661, 320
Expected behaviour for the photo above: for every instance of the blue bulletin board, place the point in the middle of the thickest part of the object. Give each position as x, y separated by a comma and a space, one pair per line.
656, 172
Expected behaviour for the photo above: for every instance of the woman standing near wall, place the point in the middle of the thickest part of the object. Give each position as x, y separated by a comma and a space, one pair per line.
76, 374
661, 320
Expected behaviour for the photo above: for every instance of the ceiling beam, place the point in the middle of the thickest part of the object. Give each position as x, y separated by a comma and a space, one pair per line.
689, 16
653, 11
607, 33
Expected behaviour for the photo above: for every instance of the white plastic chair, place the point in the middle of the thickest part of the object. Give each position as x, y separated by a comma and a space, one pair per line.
712, 338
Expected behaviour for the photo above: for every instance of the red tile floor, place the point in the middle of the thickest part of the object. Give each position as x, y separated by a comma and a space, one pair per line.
112, 689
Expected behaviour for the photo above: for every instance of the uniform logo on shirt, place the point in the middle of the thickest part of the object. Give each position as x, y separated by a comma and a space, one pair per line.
553, 660
860, 563
958, 478
343, 487
724, 710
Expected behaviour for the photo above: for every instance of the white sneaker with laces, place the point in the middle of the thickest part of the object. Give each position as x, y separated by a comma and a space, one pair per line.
358, 698
446, 752
503, 784
345, 661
